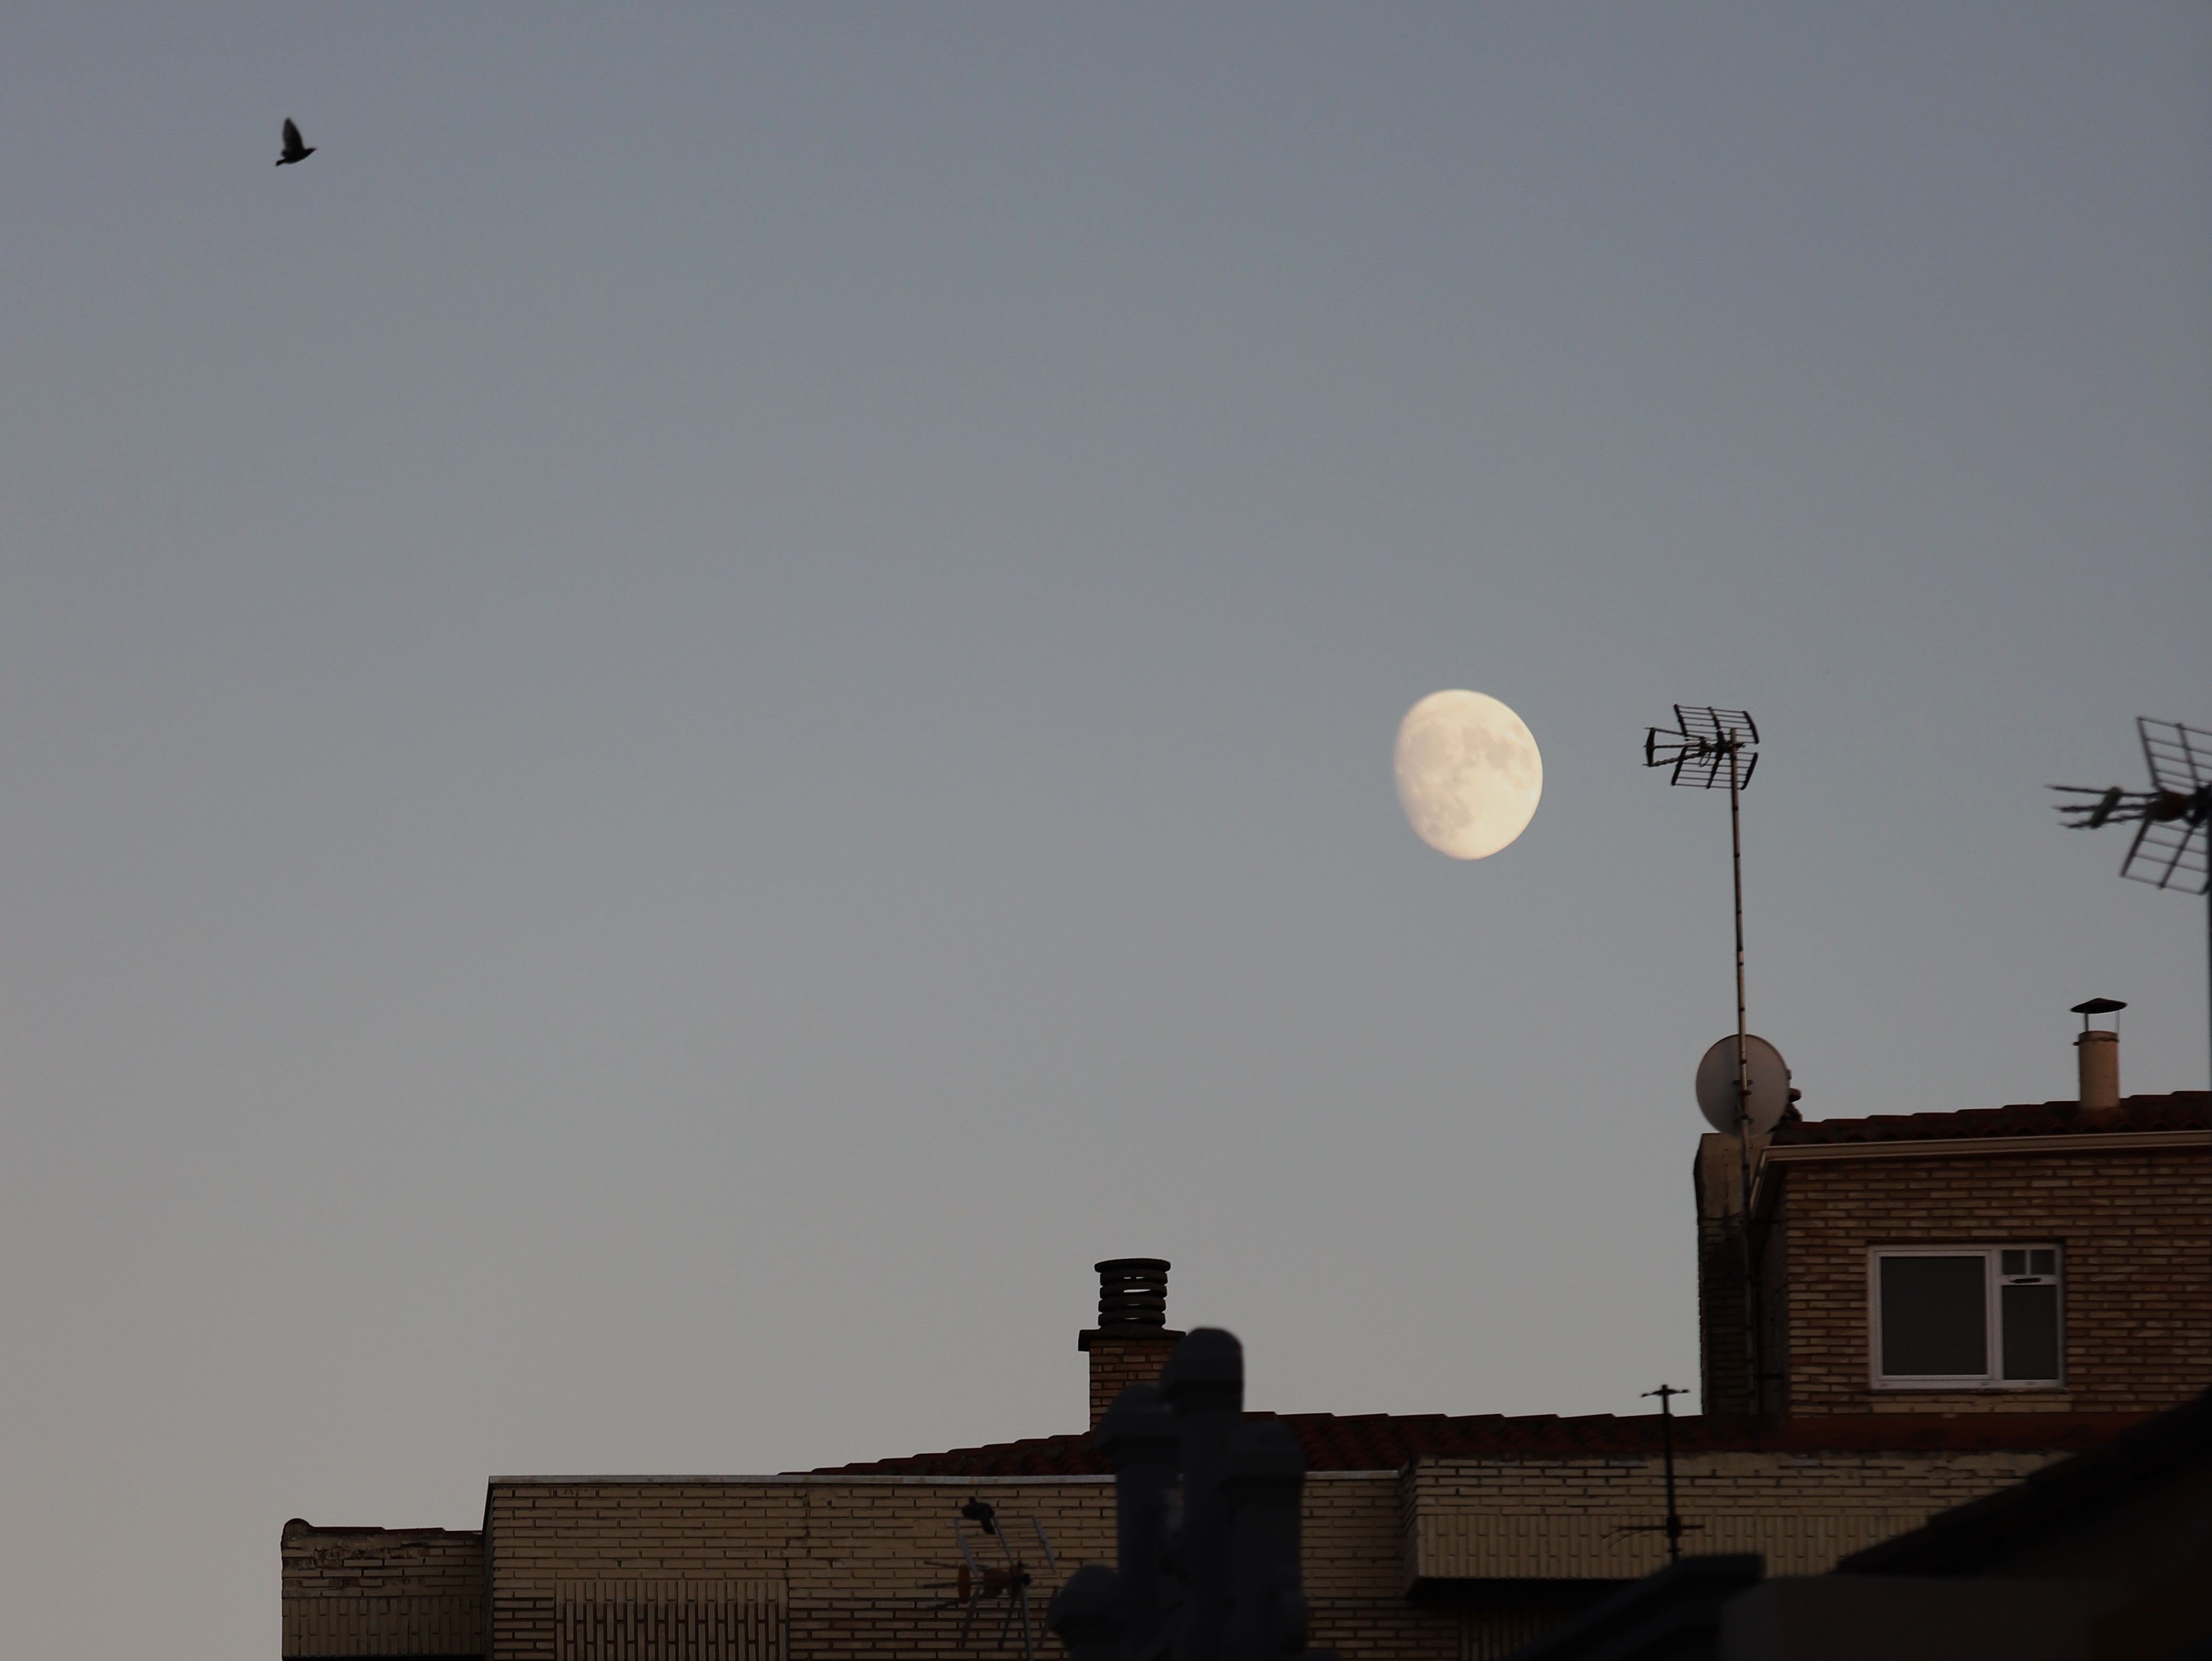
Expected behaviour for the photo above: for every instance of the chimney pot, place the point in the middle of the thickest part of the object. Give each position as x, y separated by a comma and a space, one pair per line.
1133, 1292
1132, 1341
2098, 1052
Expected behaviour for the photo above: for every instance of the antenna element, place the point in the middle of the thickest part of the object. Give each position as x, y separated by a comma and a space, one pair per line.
2172, 847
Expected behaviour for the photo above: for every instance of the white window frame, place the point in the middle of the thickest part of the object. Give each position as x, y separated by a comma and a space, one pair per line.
1993, 1279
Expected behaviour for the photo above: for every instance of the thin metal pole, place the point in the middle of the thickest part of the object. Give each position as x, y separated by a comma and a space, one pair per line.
1752, 1345
1666, 1393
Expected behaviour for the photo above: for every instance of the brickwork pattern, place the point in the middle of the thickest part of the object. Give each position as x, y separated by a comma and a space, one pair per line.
1722, 1382
2136, 1228
1498, 1620
861, 1565
808, 1569
382, 1591
1524, 1520
858, 1566
1120, 1360
1723, 1367
1349, 1548
865, 1565
669, 1621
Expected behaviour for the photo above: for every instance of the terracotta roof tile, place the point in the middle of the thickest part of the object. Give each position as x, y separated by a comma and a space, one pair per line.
1389, 1441
2184, 1110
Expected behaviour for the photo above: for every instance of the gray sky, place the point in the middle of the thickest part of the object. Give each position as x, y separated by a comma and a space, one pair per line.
717, 699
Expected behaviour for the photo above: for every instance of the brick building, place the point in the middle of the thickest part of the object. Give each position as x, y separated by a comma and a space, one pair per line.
2048, 1257
1435, 1535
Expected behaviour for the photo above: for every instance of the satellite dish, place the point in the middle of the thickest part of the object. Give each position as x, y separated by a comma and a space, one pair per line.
1717, 1086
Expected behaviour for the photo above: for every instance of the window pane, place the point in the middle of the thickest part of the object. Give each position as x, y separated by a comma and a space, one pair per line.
1932, 1319
2030, 1315
2043, 1263
2015, 1262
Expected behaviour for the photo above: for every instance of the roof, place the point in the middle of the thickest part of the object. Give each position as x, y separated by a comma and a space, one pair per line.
1968, 1538
1380, 1441
301, 1525
2182, 1110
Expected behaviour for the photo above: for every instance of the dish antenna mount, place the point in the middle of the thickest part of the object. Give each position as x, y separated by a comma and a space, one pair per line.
1706, 747
1751, 1091
2171, 834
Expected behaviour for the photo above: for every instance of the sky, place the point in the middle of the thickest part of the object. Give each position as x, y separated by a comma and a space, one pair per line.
716, 699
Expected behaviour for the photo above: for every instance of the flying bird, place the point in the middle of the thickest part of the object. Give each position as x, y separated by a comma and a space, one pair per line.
295, 150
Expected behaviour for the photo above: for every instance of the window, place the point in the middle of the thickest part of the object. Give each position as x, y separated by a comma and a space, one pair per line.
1966, 1317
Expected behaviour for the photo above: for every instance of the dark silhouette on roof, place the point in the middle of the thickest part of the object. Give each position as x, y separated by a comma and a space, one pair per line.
1672, 1615
295, 148
1985, 1533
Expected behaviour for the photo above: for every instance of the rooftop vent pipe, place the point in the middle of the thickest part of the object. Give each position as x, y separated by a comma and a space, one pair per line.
2099, 1052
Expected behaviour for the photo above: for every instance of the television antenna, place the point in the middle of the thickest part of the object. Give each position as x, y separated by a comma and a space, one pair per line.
1705, 746
2170, 849
976, 1583
1674, 1528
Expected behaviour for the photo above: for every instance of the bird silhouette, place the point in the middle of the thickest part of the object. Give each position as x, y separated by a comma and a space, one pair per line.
294, 148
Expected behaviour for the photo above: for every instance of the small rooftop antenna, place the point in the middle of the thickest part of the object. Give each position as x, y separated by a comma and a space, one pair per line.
973, 1581
2170, 848
1674, 1528
1706, 745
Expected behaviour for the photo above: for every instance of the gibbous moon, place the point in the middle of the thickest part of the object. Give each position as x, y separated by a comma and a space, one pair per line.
1468, 773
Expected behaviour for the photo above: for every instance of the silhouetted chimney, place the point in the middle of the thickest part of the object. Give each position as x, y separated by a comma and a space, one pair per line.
1132, 1341
2099, 1052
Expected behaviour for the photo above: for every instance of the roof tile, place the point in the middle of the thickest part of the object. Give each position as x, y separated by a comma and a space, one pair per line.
1389, 1441
2183, 1110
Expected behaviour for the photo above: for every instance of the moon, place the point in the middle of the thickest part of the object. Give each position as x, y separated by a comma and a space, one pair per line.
1469, 773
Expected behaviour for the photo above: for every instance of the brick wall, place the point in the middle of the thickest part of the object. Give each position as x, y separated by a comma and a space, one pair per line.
805, 1568
860, 1565
1723, 1381
830, 1567
383, 1591
2136, 1227
1120, 1358
1591, 1518
851, 1564
1351, 1553
1723, 1367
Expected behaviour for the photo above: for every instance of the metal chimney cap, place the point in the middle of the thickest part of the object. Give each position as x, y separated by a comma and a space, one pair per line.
2096, 1006
1133, 1292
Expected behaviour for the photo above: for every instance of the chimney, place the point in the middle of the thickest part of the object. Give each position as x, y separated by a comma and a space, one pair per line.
2099, 1053
1132, 1341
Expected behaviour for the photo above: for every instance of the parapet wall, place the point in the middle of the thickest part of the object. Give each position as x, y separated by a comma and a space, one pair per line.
1598, 1519
384, 1593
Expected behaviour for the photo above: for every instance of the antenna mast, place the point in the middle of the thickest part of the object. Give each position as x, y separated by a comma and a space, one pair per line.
1673, 1526
1703, 740
2170, 849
